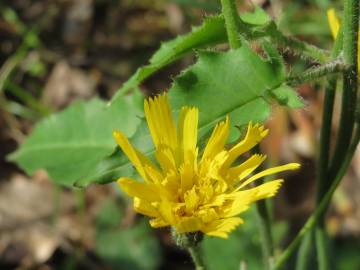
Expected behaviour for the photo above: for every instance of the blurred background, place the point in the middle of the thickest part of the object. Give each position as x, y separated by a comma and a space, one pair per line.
55, 52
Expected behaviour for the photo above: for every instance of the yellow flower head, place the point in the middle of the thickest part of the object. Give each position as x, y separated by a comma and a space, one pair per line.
189, 192
334, 24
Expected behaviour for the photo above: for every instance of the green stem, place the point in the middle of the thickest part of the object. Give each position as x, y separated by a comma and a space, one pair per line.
348, 106
311, 74
322, 247
29, 39
196, 256
325, 132
304, 253
232, 22
325, 135
324, 152
321, 209
325, 178
11, 63
190, 242
298, 47
323, 156
26, 98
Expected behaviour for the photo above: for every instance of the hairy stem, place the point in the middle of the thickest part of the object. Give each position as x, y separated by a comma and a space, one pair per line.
298, 47
196, 256
232, 22
311, 74
190, 242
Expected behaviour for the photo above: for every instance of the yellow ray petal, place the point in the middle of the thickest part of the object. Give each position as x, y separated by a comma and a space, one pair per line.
181, 121
188, 124
191, 200
333, 21
160, 121
166, 158
290, 166
208, 215
144, 207
222, 227
217, 139
238, 202
158, 223
241, 171
147, 192
171, 184
186, 177
262, 191
134, 156
268, 189
216, 165
155, 176
253, 136
188, 224
165, 209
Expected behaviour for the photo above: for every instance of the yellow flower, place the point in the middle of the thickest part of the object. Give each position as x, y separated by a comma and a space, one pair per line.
188, 192
334, 24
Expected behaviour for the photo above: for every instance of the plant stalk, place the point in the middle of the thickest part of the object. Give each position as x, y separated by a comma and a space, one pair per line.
322, 207
298, 47
190, 242
305, 251
350, 82
347, 121
314, 73
322, 247
196, 256
322, 185
232, 22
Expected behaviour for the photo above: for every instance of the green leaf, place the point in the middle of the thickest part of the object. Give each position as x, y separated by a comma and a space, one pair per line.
235, 83
258, 17
287, 96
117, 164
212, 31
69, 144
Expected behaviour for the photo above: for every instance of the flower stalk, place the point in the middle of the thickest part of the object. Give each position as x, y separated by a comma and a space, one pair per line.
191, 242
